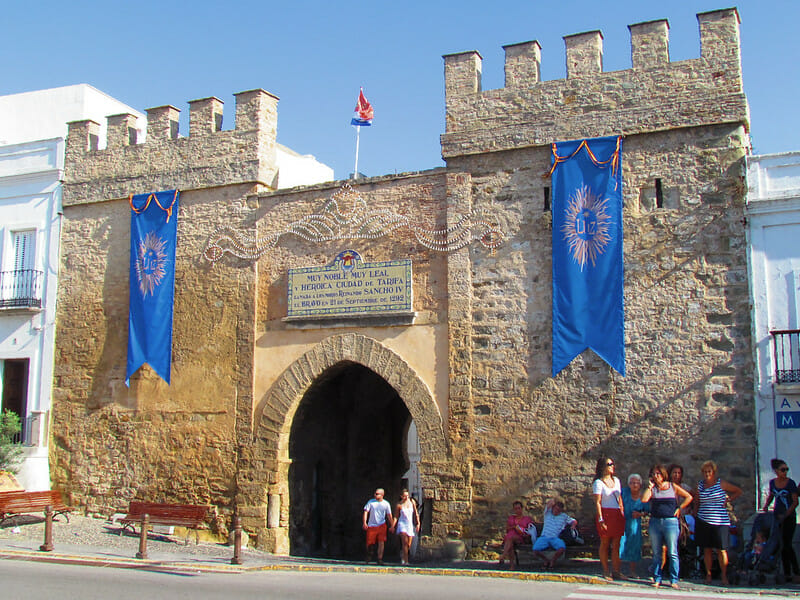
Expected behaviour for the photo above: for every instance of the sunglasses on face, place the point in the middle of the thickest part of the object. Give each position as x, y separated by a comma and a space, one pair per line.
609, 464
783, 469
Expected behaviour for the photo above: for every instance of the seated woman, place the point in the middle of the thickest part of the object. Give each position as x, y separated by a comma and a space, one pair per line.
555, 520
516, 527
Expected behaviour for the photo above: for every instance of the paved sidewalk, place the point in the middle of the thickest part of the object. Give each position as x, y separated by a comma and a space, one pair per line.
96, 542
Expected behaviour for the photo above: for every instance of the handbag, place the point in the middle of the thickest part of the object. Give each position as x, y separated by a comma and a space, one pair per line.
532, 532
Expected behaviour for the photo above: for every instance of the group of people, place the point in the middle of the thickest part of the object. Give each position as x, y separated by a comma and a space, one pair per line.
673, 505
378, 522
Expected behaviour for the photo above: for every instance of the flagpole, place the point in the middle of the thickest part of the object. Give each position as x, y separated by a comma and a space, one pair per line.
358, 136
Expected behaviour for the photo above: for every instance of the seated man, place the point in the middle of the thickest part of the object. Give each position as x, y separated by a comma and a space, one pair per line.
555, 520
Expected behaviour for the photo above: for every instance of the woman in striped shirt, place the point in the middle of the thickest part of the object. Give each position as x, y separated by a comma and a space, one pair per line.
713, 522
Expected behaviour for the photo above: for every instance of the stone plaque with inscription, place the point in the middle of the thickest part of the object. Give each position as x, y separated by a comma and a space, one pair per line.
350, 287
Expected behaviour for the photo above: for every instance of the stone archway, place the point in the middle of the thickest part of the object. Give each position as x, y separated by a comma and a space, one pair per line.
263, 478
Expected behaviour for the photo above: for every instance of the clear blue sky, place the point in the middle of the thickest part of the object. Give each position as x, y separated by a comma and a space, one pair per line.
315, 54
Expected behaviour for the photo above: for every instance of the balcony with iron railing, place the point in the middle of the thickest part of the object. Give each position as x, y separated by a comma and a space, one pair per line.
21, 289
786, 350
33, 430
24, 435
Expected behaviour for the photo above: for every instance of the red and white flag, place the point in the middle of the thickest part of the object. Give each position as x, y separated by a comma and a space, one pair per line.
363, 111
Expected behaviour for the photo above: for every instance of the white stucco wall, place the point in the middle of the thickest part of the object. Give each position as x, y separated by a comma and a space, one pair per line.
44, 114
296, 169
30, 198
773, 227
33, 126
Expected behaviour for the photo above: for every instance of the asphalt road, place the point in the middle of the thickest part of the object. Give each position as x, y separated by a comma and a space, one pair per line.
33, 581
26, 580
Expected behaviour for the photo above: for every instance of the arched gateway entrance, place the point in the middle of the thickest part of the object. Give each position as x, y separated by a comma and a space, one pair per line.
347, 437
331, 429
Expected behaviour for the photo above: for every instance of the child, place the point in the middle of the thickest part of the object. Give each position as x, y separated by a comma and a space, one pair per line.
555, 520
751, 556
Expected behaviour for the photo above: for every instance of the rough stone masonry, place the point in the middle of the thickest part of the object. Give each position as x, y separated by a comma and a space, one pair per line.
471, 367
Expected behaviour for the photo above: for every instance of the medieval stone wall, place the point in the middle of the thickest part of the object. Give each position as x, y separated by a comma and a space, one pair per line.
150, 441
412, 355
153, 441
688, 394
473, 365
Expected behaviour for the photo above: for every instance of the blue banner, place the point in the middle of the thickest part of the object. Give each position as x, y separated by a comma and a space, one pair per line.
154, 234
588, 310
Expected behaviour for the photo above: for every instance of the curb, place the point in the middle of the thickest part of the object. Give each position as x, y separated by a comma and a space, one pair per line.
123, 563
522, 576
119, 563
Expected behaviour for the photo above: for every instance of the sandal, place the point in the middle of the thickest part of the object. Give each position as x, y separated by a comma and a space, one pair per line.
621, 576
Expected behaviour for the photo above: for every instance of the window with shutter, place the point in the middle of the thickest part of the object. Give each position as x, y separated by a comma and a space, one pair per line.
20, 282
24, 249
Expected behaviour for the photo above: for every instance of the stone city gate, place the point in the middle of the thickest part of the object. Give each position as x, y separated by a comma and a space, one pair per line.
331, 429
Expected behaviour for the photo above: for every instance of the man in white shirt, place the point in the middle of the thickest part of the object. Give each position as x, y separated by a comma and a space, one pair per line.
377, 513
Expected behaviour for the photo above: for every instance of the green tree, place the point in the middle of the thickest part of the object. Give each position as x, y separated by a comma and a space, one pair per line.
10, 452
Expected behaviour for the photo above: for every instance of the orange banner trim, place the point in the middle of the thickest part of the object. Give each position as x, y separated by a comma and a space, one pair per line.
150, 197
613, 160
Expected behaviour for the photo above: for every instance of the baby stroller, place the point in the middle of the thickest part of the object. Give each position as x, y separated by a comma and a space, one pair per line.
753, 566
688, 558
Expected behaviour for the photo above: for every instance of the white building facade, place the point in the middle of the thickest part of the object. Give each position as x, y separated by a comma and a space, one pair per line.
33, 126
773, 227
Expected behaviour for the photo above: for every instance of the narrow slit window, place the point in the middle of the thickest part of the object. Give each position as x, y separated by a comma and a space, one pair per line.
546, 206
659, 194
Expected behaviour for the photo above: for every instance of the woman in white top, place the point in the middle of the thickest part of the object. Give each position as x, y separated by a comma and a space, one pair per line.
407, 525
607, 492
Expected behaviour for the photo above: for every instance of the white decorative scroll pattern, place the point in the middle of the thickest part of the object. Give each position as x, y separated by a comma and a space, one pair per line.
355, 223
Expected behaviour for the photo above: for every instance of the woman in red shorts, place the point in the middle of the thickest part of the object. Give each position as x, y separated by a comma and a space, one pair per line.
607, 492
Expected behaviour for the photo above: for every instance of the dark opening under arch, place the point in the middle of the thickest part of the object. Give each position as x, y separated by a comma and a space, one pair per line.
347, 438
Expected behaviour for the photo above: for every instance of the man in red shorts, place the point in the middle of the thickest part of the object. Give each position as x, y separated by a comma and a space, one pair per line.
377, 512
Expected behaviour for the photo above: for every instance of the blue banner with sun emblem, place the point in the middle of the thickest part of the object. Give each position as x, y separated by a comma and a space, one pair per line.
154, 234
588, 310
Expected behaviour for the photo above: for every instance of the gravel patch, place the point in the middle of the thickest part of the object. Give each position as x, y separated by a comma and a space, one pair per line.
102, 534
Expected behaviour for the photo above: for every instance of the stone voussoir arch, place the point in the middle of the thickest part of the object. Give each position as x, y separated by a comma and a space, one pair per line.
263, 479
276, 412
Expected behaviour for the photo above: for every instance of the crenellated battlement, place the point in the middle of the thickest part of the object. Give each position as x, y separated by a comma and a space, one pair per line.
207, 157
654, 94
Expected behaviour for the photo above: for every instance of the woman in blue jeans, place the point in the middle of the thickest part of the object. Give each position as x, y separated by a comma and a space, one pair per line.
666, 501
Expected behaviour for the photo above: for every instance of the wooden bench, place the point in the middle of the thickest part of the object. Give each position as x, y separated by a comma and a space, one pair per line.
191, 516
22, 503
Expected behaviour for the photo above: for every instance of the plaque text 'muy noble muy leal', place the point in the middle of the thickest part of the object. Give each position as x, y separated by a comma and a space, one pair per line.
349, 286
